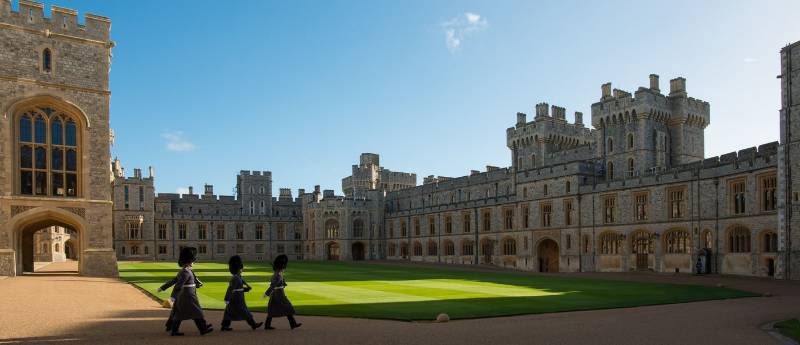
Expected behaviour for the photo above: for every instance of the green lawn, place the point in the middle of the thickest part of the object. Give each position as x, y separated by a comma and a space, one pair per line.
405, 292
789, 328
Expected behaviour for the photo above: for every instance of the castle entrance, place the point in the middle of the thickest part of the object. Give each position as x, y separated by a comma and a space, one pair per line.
358, 251
48, 245
333, 251
548, 256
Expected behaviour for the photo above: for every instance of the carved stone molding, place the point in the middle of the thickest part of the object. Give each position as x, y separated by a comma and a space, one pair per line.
76, 210
17, 209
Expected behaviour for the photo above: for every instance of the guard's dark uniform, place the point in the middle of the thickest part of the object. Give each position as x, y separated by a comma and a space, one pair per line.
236, 308
186, 306
278, 304
171, 283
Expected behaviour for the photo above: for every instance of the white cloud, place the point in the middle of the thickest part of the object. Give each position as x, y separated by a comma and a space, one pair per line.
750, 60
460, 27
182, 190
176, 141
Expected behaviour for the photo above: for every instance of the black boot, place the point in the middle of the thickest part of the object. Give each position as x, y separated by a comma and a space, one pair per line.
293, 323
226, 326
268, 324
168, 325
203, 327
253, 324
176, 325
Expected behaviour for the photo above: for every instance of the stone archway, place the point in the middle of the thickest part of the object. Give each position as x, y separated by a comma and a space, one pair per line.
32, 221
358, 251
333, 251
547, 253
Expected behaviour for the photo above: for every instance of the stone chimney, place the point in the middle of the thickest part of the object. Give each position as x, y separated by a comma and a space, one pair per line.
606, 90
677, 87
191, 190
654, 83
152, 172
137, 173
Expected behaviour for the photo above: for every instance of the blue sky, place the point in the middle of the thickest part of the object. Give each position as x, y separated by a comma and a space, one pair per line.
202, 89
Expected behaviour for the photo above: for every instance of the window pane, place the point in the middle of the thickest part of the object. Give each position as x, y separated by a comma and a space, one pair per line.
57, 157
41, 183
41, 158
72, 160
57, 133
25, 157
72, 185
26, 182
40, 130
25, 129
71, 136
58, 184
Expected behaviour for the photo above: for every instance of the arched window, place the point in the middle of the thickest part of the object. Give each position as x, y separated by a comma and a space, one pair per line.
47, 142
630, 140
707, 239
417, 249
146, 250
47, 60
509, 246
739, 239
433, 249
567, 186
642, 243
332, 228
467, 247
358, 228
403, 249
630, 167
58, 248
252, 207
449, 248
392, 250
769, 242
610, 145
610, 170
610, 243
262, 208
677, 242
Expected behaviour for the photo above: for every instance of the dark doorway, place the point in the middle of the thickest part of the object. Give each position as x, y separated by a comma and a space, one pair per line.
358, 251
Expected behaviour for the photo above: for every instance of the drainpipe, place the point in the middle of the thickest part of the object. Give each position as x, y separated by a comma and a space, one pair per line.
716, 227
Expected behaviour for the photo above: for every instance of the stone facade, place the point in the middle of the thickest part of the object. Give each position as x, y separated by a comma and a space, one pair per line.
369, 175
54, 134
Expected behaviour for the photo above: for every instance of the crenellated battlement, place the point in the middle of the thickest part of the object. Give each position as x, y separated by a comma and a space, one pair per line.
63, 22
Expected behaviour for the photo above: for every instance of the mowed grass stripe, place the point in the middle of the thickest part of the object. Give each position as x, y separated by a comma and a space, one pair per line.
407, 292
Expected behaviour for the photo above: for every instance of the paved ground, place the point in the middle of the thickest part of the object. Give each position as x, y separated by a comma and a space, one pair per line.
58, 308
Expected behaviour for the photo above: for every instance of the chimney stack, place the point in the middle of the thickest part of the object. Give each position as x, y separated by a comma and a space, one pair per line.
677, 87
152, 172
654, 83
191, 190
606, 89
137, 173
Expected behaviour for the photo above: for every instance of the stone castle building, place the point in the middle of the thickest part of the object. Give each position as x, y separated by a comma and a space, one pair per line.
632, 192
54, 134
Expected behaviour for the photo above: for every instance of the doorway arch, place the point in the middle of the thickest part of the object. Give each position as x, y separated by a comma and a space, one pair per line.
358, 251
547, 252
333, 251
29, 222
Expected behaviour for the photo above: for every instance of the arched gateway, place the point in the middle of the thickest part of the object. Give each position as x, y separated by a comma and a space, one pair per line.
548, 255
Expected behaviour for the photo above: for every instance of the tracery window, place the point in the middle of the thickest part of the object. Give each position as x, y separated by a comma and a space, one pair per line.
739, 240
677, 242
610, 243
47, 143
332, 228
467, 248
509, 246
358, 228
449, 248
433, 249
769, 242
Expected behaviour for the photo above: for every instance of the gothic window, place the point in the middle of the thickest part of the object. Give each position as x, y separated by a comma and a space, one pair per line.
403, 229
252, 207
133, 231
567, 186
259, 232
332, 228
403, 249
526, 213
221, 232
737, 196
545, 210
432, 248
391, 250
544, 190
568, 209
47, 60
610, 243
609, 206
431, 225
448, 225
767, 190
162, 231
641, 206
676, 203
449, 248
739, 239
610, 145
509, 246
239, 231
358, 228
47, 142
630, 167
262, 209
509, 219
487, 221
202, 231
677, 242
610, 170
141, 198
126, 192
642, 243
769, 242
467, 248
467, 223
630, 141
417, 249
182, 231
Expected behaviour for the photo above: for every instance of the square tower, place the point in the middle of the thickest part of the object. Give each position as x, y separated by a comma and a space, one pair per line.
54, 134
